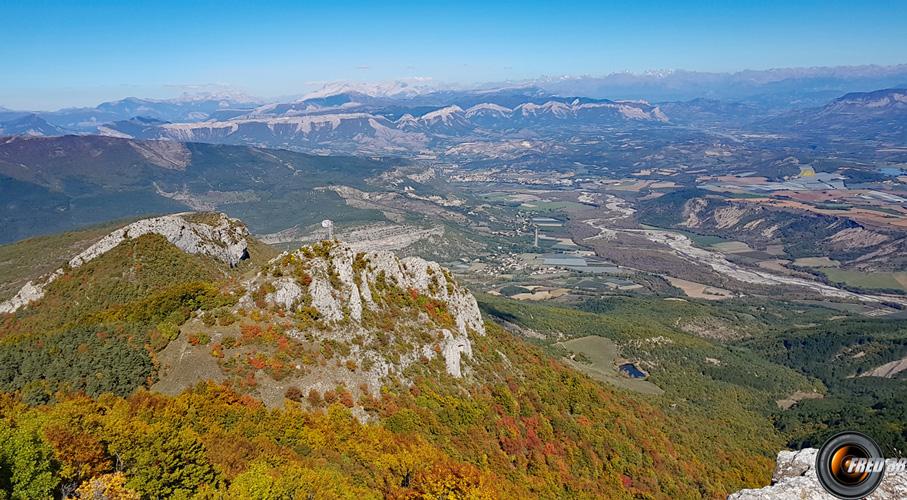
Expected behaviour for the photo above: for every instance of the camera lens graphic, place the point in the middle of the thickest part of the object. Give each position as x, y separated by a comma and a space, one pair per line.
842, 460
842, 465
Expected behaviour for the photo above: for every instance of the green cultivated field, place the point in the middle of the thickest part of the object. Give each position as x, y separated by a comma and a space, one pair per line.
550, 206
816, 262
876, 281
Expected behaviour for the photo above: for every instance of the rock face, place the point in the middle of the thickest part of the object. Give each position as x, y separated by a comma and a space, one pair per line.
212, 234
347, 292
795, 477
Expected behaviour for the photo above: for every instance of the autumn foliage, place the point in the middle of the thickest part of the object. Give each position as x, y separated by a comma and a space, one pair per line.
76, 417
560, 435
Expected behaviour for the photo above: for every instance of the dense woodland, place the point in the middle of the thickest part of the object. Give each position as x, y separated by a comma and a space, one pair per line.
831, 353
558, 435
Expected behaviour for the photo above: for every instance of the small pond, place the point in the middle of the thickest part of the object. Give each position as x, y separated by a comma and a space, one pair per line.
631, 370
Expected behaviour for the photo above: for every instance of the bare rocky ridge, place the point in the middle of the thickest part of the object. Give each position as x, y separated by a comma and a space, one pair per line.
340, 287
795, 477
329, 318
387, 313
377, 236
212, 234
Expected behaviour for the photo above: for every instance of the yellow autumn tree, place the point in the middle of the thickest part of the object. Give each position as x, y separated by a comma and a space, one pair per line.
107, 487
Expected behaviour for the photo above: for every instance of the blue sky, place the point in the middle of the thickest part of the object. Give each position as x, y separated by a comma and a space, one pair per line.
55, 54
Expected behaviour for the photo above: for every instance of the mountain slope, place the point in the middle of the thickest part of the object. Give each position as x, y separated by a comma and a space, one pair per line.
879, 102
30, 125
187, 108
55, 184
803, 234
381, 401
216, 236
352, 122
877, 117
845, 356
18, 264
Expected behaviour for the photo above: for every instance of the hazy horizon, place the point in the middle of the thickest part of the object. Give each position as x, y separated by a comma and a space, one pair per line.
98, 95
62, 55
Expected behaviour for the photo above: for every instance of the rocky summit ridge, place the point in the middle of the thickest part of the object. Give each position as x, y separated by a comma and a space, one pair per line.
212, 234
383, 312
347, 294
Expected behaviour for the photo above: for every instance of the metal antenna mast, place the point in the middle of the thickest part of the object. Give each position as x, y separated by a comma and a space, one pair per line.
329, 225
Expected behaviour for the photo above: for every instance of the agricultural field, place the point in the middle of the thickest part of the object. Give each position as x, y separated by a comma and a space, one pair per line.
816, 262
866, 280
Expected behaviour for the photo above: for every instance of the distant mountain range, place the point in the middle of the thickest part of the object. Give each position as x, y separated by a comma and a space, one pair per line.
346, 123
776, 88
87, 120
379, 122
31, 125
405, 118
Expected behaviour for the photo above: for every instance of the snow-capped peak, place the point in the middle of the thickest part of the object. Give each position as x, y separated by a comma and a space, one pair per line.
225, 96
487, 107
555, 107
443, 114
381, 89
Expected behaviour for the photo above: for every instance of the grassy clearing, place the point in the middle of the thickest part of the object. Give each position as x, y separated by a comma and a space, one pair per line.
598, 359
732, 247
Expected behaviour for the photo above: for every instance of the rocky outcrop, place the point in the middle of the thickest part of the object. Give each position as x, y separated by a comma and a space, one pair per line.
338, 287
795, 477
212, 234
692, 210
28, 293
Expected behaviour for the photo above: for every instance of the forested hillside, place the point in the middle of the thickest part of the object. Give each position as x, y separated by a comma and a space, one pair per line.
78, 415
53, 184
842, 355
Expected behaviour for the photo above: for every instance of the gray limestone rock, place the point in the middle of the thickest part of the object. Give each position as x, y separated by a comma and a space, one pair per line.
342, 286
218, 236
795, 478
